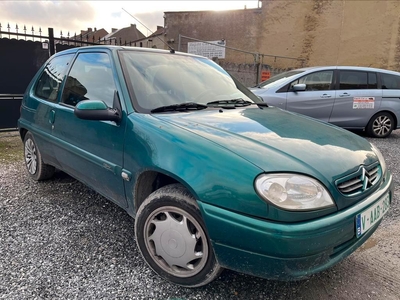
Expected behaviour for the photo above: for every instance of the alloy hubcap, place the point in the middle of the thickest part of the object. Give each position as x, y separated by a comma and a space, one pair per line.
381, 125
176, 241
30, 156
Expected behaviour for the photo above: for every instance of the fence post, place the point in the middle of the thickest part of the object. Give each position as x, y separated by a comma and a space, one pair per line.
258, 67
51, 41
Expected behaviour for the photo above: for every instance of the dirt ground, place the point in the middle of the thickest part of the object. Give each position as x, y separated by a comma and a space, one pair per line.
61, 240
11, 149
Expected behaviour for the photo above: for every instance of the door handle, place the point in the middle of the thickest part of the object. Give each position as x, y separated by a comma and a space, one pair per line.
52, 116
326, 96
344, 95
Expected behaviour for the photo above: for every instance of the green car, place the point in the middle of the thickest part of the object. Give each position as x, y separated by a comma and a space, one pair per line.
213, 176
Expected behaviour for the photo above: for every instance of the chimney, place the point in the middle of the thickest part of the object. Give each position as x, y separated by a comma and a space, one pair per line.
133, 25
89, 29
113, 30
159, 27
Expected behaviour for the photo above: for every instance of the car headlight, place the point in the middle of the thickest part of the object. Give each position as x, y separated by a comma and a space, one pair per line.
293, 191
380, 157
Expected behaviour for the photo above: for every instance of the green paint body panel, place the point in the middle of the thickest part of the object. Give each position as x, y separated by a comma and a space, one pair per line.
217, 154
91, 105
294, 250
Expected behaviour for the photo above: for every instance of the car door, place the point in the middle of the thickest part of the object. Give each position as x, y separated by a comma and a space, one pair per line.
91, 151
357, 98
390, 93
42, 100
318, 97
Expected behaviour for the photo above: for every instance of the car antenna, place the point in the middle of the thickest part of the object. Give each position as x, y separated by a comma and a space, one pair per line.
172, 50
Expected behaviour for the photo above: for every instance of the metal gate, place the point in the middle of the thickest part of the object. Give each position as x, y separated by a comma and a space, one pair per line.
9, 111
21, 56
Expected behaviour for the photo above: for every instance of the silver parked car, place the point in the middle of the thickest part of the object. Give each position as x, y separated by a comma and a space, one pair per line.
349, 97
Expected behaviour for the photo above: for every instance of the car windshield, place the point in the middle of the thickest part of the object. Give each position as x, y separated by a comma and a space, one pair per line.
163, 79
277, 79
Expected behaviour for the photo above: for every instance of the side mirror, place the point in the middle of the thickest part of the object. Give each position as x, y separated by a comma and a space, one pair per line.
96, 110
299, 87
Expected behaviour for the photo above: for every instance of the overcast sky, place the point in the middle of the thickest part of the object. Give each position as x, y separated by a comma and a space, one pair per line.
73, 16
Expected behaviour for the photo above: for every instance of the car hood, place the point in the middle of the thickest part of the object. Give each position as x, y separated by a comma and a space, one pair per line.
274, 139
257, 90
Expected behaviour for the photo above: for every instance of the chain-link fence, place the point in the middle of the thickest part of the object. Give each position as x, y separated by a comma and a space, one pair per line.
247, 66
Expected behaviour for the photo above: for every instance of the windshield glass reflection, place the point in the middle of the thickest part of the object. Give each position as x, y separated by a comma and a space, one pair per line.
160, 79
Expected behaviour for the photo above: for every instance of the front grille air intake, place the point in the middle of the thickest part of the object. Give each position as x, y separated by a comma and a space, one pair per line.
361, 181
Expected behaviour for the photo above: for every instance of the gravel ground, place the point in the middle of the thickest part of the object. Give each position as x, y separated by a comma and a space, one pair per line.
61, 240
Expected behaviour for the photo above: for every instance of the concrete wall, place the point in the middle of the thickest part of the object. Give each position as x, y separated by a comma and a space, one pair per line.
334, 32
328, 32
157, 43
217, 25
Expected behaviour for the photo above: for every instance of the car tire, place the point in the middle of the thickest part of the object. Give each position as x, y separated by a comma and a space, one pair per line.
173, 239
37, 169
381, 125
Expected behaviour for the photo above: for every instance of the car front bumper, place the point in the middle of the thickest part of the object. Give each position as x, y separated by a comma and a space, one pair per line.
287, 251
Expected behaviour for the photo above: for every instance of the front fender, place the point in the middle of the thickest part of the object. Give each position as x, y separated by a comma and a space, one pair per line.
213, 174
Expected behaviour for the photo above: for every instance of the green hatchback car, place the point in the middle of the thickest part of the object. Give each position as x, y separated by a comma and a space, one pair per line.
213, 176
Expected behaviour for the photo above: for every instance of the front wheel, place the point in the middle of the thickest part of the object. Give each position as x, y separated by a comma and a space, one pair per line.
172, 238
381, 125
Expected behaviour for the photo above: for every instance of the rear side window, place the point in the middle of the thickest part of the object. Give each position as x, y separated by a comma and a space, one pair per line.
390, 81
356, 80
90, 78
50, 80
372, 81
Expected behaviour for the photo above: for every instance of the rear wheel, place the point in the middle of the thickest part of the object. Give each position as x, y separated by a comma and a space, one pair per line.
381, 125
172, 238
37, 169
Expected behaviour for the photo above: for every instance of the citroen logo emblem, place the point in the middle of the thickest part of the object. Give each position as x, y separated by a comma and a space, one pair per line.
365, 179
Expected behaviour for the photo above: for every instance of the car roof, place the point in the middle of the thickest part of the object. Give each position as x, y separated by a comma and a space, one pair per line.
355, 68
128, 48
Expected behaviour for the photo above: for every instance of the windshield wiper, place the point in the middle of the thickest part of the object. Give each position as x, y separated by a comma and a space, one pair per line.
197, 106
180, 107
239, 102
260, 104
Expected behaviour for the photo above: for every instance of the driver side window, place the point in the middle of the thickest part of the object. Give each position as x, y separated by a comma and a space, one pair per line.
90, 78
318, 81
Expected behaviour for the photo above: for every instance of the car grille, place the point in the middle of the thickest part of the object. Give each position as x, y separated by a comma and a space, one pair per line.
361, 181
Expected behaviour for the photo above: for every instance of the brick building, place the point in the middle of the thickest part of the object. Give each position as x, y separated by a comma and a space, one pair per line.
93, 35
124, 35
328, 32
155, 40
